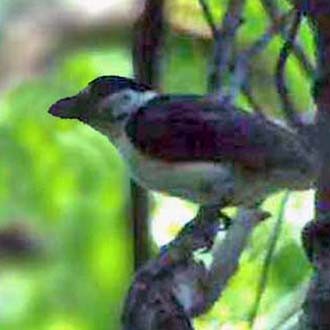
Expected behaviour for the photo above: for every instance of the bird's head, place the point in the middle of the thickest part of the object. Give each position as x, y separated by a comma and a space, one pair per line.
105, 103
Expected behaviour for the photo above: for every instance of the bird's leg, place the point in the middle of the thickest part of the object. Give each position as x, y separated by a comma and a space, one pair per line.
199, 233
226, 221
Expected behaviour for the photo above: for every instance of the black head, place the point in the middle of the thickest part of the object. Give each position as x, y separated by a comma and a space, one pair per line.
104, 98
106, 85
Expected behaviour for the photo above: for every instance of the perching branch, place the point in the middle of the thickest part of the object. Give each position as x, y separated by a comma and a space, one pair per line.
199, 233
170, 289
227, 253
146, 60
155, 299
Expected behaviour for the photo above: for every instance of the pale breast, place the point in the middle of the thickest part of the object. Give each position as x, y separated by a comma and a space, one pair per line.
200, 182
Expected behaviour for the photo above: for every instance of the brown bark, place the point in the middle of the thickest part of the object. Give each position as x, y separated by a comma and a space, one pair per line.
147, 47
316, 235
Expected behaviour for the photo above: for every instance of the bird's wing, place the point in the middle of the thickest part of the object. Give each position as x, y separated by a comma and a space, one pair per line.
196, 130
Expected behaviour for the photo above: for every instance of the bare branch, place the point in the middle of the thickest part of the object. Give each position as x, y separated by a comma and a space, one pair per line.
273, 13
227, 253
288, 107
209, 18
243, 61
166, 291
148, 43
174, 287
223, 47
316, 236
246, 88
146, 57
268, 258
198, 233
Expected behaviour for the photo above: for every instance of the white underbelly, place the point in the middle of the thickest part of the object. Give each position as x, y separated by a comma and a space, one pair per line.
200, 182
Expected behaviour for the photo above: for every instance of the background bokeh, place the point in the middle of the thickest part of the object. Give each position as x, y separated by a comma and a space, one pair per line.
64, 188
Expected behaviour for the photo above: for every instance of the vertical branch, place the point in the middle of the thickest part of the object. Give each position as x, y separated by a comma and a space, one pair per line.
147, 45
316, 236
149, 32
140, 220
223, 47
321, 21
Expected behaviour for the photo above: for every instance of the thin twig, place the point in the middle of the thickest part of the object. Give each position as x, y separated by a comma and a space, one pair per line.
268, 258
243, 61
223, 47
289, 110
273, 13
209, 18
248, 93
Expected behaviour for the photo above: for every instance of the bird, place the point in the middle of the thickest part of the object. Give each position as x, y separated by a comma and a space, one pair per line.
192, 146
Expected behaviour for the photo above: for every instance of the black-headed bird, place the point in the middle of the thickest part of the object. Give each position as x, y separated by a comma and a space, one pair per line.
192, 146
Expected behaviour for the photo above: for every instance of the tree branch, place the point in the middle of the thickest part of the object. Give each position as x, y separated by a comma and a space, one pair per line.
273, 14
147, 48
223, 47
227, 253
167, 289
174, 287
243, 62
316, 236
248, 93
148, 43
288, 107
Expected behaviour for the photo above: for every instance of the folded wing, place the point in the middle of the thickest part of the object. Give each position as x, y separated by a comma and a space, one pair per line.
199, 130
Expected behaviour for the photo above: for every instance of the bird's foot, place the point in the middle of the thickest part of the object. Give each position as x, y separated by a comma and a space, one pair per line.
199, 233
226, 221
193, 236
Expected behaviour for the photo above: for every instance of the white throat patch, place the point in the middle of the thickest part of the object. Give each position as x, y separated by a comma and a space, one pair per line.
127, 101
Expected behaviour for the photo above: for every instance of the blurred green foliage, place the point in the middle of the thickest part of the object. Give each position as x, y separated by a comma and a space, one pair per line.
69, 186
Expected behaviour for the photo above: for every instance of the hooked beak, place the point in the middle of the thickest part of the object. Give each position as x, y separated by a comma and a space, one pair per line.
67, 108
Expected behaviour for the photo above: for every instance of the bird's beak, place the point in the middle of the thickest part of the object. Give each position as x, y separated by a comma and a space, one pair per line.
67, 108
